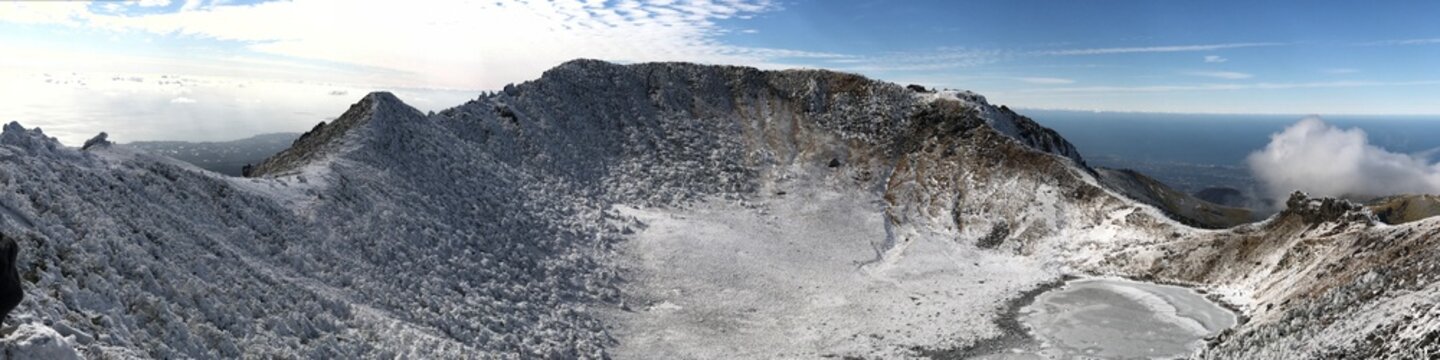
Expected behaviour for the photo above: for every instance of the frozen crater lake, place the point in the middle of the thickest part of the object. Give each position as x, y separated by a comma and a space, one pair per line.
1119, 319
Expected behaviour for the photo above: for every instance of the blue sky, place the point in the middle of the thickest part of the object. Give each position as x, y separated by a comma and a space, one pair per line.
1174, 56
1273, 57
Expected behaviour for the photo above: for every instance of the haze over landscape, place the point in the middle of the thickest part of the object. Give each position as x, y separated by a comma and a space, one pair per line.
719, 179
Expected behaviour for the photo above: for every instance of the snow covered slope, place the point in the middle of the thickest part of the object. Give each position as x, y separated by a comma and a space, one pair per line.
1322, 279
662, 209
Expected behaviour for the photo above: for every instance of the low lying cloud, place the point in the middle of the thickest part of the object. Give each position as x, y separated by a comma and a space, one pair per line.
1325, 160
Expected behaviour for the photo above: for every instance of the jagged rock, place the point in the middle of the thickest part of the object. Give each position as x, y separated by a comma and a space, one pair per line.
917, 88
97, 141
11, 292
1322, 210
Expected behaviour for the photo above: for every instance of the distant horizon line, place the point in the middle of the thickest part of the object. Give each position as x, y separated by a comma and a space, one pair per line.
1142, 112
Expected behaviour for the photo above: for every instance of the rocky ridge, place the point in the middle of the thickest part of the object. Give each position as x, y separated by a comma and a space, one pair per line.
491, 228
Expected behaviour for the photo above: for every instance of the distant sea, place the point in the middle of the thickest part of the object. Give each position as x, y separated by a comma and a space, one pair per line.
1194, 151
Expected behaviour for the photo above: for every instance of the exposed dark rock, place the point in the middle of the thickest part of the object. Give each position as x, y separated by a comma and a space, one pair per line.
997, 236
1322, 210
10, 291
98, 140
918, 88
505, 112
834, 163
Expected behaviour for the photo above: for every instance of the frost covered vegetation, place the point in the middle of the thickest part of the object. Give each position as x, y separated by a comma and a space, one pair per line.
648, 210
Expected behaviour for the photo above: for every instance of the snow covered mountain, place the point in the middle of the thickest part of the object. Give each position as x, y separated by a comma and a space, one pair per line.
659, 210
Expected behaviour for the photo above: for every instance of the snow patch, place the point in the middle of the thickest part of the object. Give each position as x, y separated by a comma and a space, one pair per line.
36, 341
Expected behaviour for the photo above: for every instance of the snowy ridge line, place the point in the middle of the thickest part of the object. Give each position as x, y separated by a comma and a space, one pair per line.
511, 227
484, 222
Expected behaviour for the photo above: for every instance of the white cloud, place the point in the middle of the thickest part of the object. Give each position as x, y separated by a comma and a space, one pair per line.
152, 3
43, 12
191, 5
931, 60
1228, 75
1154, 49
1324, 160
1215, 59
451, 43
182, 100
1046, 80
1404, 42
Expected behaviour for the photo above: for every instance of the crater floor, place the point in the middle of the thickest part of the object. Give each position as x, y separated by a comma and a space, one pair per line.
797, 276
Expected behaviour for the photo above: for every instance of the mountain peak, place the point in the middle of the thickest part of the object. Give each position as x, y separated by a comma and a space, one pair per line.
324, 138
381, 97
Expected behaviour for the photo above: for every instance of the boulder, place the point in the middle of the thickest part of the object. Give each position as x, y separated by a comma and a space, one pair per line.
10, 291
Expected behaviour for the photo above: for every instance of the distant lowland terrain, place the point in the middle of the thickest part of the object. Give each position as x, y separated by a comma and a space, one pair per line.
225, 157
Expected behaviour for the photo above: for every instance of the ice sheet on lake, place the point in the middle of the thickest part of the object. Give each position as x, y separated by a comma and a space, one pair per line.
1112, 318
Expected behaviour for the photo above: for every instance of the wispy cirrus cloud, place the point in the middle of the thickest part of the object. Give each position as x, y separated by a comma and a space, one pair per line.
1430, 41
1155, 49
1215, 59
1228, 75
443, 43
936, 59
1045, 80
